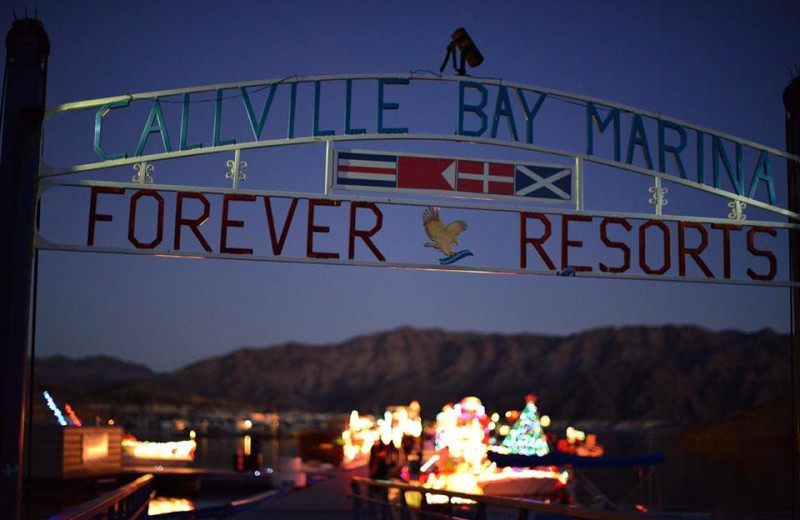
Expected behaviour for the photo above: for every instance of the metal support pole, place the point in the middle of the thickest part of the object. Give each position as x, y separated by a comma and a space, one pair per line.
791, 100
355, 491
23, 105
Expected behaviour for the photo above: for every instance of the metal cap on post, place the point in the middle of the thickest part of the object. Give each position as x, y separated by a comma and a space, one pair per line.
23, 105
791, 100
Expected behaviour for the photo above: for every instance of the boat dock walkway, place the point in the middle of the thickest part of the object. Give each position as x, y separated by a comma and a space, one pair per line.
324, 500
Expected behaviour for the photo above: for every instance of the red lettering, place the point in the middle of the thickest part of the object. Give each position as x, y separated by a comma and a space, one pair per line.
694, 252
365, 235
278, 243
751, 248
626, 251
193, 224
132, 219
226, 223
310, 253
93, 215
524, 240
566, 243
726, 246
643, 247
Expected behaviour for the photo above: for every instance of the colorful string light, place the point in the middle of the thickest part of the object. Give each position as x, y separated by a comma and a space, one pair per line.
527, 437
73, 417
54, 408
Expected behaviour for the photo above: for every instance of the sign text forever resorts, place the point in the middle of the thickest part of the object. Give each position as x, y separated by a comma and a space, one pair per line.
546, 241
482, 111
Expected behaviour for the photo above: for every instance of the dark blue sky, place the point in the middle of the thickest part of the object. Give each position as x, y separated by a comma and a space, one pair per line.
718, 64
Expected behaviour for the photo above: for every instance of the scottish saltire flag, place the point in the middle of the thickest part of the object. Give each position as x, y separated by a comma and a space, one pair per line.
366, 169
543, 182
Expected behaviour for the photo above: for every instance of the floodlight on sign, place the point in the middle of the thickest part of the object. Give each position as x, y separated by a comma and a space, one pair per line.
469, 52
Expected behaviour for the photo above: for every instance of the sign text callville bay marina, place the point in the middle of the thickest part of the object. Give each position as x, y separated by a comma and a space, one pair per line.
699, 156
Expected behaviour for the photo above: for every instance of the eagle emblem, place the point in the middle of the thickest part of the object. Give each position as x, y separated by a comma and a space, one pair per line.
442, 237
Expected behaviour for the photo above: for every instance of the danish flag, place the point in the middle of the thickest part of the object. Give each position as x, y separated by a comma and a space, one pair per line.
486, 177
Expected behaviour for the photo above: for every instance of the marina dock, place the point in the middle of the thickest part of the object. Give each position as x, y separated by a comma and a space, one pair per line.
327, 500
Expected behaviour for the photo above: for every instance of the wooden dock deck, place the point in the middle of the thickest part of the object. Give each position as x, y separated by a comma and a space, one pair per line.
324, 500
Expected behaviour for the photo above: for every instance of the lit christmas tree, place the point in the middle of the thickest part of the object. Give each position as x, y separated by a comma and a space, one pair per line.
526, 437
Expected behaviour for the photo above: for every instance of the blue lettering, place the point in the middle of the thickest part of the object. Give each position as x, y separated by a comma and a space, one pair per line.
502, 108
348, 103
316, 131
475, 109
257, 127
664, 148
701, 162
763, 172
593, 117
185, 126
382, 105
717, 153
530, 114
292, 110
98, 129
160, 127
218, 122
638, 138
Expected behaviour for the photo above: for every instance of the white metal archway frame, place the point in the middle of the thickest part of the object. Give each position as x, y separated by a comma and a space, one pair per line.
602, 122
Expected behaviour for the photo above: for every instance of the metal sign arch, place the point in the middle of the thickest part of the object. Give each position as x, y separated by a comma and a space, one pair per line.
481, 110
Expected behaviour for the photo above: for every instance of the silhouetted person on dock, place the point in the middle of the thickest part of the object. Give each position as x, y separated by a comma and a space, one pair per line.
381, 460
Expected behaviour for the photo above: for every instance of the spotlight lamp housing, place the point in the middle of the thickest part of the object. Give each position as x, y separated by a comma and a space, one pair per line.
469, 52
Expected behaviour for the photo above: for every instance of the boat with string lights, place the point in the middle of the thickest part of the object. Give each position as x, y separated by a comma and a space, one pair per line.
399, 425
463, 435
147, 453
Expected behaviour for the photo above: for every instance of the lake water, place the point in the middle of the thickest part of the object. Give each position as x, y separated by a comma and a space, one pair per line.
749, 480
218, 452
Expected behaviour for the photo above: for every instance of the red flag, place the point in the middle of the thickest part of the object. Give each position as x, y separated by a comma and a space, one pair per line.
426, 173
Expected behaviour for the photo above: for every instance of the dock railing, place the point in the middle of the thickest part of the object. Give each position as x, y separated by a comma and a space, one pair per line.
384, 500
129, 502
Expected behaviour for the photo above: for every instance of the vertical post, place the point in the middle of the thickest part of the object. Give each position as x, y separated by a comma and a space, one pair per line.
791, 100
235, 171
577, 184
404, 512
355, 490
23, 103
328, 182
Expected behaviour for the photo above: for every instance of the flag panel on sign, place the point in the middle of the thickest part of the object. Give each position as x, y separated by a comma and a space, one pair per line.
543, 182
366, 169
426, 173
476, 178
486, 177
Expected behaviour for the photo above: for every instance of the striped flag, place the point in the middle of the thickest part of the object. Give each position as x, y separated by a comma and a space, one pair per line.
366, 169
